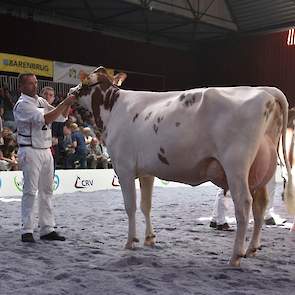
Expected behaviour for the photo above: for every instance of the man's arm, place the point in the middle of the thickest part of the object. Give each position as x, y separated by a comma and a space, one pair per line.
56, 112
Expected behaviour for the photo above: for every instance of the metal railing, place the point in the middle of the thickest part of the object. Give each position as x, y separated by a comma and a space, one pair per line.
61, 89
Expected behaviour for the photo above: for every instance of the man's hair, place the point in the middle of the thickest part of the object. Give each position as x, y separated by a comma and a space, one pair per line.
44, 89
22, 77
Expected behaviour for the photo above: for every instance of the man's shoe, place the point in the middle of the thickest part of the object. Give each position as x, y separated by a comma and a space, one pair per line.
270, 221
28, 238
223, 226
213, 224
53, 236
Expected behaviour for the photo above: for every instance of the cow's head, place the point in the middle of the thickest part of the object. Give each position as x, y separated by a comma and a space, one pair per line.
98, 92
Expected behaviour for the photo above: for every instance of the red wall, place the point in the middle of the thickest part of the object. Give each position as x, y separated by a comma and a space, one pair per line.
26, 37
255, 60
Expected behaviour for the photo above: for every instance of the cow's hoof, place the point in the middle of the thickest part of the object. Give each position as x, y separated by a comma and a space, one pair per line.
235, 262
251, 252
150, 240
130, 245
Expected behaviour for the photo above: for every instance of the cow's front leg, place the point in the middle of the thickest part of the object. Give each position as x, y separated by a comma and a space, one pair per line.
242, 201
258, 208
129, 194
146, 188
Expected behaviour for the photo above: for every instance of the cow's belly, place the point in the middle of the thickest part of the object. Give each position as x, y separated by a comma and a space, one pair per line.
264, 165
210, 169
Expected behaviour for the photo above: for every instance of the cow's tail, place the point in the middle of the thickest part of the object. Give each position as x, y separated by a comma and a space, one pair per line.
289, 193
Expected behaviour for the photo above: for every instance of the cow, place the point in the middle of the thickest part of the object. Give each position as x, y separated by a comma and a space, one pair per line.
226, 135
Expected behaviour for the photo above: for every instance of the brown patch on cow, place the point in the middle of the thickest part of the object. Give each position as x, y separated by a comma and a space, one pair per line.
104, 82
96, 102
135, 117
163, 159
156, 128
107, 99
148, 116
160, 119
182, 97
177, 124
190, 100
85, 90
114, 98
162, 150
269, 108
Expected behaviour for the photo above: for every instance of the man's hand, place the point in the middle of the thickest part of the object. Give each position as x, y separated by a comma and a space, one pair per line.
70, 100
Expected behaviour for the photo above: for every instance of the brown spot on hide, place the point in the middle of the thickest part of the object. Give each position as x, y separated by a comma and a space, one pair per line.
163, 159
85, 90
114, 98
104, 82
190, 100
162, 150
135, 117
96, 102
177, 124
156, 128
107, 99
148, 116
182, 97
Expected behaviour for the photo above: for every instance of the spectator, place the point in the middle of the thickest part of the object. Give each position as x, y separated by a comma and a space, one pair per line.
68, 149
7, 103
9, 152
56, 127
78, 142
95, 157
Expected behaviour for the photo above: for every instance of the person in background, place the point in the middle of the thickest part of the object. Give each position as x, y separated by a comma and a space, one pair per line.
7, 103
78, 143
221, 206
95, 157
33, 116
57, 126
68, 149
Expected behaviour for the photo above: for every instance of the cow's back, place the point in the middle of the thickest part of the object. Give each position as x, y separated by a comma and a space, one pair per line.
164, 132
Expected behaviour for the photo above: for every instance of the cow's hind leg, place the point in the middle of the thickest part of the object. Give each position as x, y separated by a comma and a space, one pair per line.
260, 200
129, 194
146, 187
238, 186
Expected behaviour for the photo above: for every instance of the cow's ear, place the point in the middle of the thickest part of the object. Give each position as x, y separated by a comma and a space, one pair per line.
82, 75
119, 78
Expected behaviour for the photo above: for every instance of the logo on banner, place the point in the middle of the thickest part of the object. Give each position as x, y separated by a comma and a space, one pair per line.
83, 183
55, 182
115, 181
19, 182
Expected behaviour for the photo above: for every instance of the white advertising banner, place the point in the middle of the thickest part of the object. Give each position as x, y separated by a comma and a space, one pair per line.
70, 181
71, 73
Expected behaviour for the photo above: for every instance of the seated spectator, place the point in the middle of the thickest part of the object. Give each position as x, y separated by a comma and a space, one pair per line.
78, 143
68, 150
95, 157
87, 136
7, 103
104, 151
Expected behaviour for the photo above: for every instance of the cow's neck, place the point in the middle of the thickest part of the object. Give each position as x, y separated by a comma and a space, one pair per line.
103, 99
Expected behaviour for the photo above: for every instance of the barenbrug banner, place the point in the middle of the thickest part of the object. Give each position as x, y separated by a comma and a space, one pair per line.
72, 73
24, 64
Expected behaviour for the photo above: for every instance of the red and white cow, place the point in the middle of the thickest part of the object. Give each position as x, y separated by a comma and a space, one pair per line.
228, 136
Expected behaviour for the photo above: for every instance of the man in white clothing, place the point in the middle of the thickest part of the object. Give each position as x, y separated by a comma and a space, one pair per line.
33, 117
221, 205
